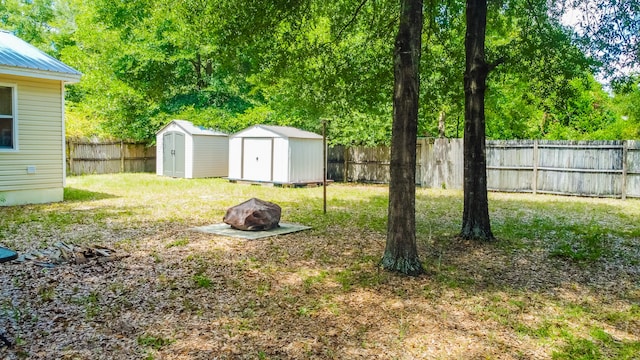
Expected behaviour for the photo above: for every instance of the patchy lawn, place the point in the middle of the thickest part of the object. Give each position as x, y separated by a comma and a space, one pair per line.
561, 282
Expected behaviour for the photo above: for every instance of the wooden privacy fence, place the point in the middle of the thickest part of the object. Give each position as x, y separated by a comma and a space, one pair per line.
85, 157
364, 164
585, 168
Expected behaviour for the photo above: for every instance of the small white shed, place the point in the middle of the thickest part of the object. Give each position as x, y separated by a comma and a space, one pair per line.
275, 154
187, 151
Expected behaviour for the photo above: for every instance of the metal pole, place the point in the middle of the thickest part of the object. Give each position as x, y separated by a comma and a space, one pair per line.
324, 165
625, 170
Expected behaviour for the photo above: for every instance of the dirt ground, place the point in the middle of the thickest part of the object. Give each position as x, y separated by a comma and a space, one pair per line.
172, 293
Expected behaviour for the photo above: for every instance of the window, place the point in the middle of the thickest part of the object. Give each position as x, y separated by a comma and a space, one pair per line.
7, 117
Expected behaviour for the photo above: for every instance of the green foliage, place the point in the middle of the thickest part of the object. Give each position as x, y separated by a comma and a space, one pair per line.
627, 103
29, 20
232, 64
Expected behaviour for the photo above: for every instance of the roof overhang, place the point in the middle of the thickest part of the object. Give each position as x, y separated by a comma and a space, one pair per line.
40, 74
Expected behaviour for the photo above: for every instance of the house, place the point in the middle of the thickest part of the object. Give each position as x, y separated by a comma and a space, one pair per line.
32, 133
276, 154
188, 151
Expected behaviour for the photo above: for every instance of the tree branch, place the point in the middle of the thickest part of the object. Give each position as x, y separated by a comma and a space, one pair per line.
495, 64
353, 18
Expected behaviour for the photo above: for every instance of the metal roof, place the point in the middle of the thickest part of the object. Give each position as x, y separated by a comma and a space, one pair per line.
191, 129
286, 132
17, 57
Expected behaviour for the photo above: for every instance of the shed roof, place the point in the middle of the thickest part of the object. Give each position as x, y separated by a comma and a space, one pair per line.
191, 129
283, 131
17, 57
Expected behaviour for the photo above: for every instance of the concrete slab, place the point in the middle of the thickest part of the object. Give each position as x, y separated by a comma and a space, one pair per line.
226, 230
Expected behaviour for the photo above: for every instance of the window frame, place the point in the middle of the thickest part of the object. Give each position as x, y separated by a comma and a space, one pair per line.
13, 117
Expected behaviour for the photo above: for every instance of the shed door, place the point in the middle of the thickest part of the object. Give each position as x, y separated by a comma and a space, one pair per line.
257, 159
173, 154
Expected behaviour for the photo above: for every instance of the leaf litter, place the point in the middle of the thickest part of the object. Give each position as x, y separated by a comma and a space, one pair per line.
170, 293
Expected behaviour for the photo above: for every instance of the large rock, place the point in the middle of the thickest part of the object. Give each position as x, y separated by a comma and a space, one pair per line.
253, 215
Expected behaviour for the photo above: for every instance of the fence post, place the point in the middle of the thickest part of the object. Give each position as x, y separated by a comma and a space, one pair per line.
534, 181
72, 151
346, 164
121, 156
623, 195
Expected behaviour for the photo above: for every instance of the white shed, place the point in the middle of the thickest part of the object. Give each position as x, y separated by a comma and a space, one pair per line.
275, 154
188, 151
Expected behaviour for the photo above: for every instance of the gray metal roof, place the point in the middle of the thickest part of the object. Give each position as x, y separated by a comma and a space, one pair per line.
290, 132
17, 57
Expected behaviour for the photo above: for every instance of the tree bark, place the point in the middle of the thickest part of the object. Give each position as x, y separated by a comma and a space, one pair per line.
401, 252
475, 218
197, 68
441, 124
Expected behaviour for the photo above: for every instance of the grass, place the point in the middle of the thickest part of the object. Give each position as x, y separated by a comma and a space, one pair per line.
561, 282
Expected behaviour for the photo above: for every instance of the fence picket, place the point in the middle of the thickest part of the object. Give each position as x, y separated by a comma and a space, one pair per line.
585, 168
85, 157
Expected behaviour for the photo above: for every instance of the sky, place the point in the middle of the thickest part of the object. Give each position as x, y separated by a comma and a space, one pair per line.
591, 13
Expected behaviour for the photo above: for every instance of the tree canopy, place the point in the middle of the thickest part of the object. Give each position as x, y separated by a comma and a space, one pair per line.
230, 64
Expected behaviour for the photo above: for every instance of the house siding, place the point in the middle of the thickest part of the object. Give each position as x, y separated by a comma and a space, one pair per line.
39, 125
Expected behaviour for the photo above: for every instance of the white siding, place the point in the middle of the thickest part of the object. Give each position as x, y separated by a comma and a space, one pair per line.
306, 160
235, 158
294, 160
160, 153
281, 161
255, 132
40, 140
206, 155
188, 158
188, 155
211, 156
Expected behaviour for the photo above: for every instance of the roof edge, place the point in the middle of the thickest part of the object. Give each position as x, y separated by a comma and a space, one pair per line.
40, 74
178, 124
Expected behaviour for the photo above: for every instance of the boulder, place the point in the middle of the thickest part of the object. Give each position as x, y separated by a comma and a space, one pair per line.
253, 215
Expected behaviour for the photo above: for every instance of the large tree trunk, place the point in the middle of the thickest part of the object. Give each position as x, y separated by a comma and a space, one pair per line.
475, 218
401, 252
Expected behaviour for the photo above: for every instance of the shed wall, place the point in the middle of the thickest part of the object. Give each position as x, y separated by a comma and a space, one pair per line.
188, 150
210, 156
159, 154
40, 136
188, 155
235, 158
160, 146
281, 160
306, 160
256, 132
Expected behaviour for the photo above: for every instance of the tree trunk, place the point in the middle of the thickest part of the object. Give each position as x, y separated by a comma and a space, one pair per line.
441, 124
401, 252
197, 68
475, 218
